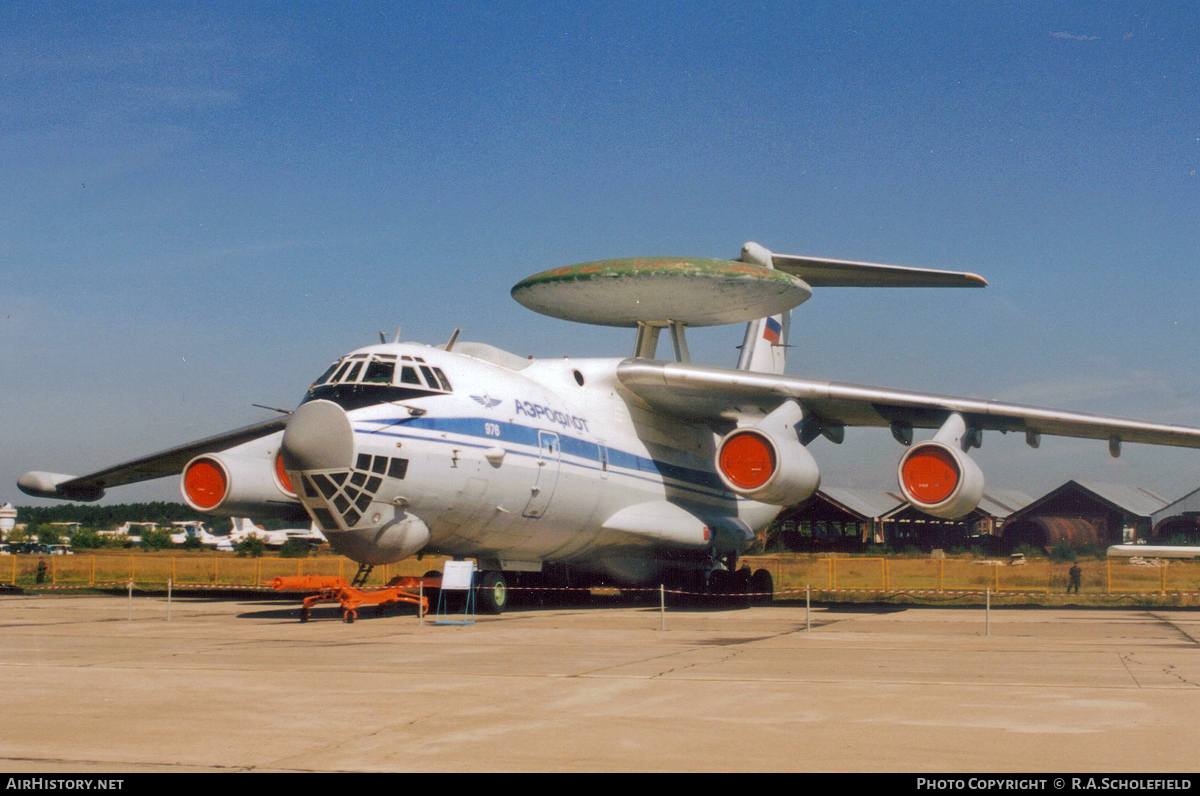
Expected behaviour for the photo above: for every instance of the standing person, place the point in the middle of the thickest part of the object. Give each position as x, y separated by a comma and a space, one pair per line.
41, 570
1076, 575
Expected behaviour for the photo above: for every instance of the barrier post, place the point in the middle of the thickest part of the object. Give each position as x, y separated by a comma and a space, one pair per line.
807, 607
53, 572
170, 583
1108, 579
662, 607
421, 604
92, 577
130, 615
883, 572
1162, 569
987, 622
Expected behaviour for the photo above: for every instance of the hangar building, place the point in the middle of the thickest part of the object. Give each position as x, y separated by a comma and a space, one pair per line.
1084, 513
1181, 518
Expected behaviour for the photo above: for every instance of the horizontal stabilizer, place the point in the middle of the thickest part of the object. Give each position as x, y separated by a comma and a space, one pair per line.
823, 272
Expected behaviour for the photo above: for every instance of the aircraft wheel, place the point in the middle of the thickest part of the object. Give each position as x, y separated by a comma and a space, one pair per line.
303, 614
492, 596
761, 583
349, 617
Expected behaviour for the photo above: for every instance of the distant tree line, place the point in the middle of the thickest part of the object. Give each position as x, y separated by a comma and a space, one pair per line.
111, 516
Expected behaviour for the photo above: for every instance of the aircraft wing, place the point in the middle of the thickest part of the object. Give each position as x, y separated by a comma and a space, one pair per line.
824, 272
156, 465
715, 394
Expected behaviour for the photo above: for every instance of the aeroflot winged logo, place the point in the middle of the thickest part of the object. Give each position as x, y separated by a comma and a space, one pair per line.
485, 401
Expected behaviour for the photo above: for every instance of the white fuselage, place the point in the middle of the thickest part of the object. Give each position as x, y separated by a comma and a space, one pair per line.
525, 466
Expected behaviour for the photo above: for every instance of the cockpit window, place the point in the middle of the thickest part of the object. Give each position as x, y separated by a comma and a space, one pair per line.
325, 376
366, 379
379, 372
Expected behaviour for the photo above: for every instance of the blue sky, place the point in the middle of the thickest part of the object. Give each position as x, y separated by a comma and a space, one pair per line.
202, 204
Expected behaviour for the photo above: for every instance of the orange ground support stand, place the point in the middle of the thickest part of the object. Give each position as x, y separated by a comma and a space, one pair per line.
334, 589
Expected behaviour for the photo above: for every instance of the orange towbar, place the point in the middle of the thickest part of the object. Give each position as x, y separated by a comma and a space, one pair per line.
334, 589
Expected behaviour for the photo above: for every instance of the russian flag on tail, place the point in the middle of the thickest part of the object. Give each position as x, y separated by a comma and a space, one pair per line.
771, 331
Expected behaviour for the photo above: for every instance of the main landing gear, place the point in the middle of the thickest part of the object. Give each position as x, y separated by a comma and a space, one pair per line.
491, 597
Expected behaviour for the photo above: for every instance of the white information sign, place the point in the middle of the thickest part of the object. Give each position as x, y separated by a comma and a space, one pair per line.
456, 575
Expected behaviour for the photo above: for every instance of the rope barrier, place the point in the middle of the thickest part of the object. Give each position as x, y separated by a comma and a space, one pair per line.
104, 585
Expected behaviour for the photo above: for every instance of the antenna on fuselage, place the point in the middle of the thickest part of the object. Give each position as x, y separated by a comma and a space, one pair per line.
453, 338
396, 339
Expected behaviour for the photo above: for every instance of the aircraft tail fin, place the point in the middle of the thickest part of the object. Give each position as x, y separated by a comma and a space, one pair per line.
764, 347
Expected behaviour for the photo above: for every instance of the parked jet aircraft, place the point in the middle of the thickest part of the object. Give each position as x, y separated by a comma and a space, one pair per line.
636, 469
244, 527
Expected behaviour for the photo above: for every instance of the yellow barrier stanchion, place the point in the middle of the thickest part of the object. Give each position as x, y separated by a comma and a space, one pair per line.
1162, 568
215, 576
53, 572
1108, 578
92, 576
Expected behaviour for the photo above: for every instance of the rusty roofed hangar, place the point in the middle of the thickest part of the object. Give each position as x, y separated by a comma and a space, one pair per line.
1084, 513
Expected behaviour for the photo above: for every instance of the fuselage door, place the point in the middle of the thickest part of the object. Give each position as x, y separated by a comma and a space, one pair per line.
549, 458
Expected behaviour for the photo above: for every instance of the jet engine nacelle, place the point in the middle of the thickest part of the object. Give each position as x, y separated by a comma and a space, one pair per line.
766, 462
239, 485
941, 480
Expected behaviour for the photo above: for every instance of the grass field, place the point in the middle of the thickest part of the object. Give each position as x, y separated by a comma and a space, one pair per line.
843, 578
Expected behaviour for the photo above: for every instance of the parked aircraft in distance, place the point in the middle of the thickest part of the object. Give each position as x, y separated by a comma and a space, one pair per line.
244, 528
632, 470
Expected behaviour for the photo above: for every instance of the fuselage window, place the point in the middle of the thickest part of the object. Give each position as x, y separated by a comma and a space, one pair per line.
442, 378
379, 372
353, 374
409, 376
341, 372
